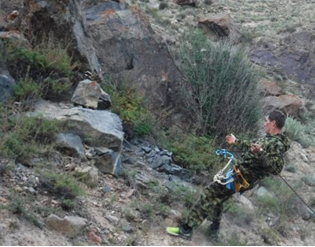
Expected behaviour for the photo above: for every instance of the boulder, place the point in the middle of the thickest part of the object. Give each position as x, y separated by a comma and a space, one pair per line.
7, 84
220, 27
88, 93
108, 161
71, 144
289, 104
269, 88
70, 226
97, 128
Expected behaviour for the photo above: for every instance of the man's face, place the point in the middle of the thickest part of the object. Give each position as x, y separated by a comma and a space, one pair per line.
269, 125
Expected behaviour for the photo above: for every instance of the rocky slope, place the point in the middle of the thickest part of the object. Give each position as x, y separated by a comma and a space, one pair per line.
133, 190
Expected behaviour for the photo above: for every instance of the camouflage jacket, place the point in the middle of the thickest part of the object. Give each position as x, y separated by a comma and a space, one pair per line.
268, 161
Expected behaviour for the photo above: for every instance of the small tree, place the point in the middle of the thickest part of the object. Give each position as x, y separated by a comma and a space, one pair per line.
223, 83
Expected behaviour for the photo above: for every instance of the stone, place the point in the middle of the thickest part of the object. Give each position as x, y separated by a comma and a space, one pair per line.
88, 93
70, 226
192, 3
288, 104
108, 161
269, 88
7, 85
127, 228
112, 219
263, 192
90, 176
96, 128
146, 149
220, 26
71, 144
174, 169
305, 212
94, 238
15, 37
106, 189
244, 201
160, 160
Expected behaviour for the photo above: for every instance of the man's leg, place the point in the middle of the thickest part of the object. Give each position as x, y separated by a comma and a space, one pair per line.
209, 204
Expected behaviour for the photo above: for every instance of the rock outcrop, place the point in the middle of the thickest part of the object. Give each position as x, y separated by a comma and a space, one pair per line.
97, 128
114, 39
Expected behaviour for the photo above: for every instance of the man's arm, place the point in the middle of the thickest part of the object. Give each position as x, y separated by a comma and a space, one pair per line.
243, 145
272, 159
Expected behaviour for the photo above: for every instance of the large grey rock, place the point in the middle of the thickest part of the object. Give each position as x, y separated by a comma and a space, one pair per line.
97, 128
70, 143
70, 226
88, 93
7, 84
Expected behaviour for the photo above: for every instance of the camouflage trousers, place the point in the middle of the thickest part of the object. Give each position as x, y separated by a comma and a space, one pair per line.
209, 205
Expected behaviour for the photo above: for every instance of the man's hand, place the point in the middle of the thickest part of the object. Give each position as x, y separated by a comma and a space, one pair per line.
255, 148
230, 139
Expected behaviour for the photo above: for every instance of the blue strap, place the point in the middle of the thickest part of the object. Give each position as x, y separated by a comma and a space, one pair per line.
229, 173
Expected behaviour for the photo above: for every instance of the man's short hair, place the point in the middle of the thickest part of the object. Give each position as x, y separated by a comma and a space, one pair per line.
279, 117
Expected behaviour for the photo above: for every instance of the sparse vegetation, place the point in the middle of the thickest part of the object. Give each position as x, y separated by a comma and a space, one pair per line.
39, 69
62, 185
22, 135
300, 132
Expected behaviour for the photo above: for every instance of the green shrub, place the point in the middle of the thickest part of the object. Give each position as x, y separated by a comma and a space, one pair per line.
194, 153
39, 69
18, 206
223, 84
47, 55
27, 89
62, 185
281, 204
27, 135
126, 102
300, 132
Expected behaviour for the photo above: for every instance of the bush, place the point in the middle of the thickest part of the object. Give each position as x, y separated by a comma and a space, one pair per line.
61, 185
27, 135
223, 83
282, 203
126, 102
299, 132
40, 70
194, 153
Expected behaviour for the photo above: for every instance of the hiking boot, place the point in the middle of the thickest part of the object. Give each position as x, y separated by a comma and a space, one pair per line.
214, 230
180, 232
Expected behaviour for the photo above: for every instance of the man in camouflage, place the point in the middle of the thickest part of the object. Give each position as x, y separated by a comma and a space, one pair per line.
261, 158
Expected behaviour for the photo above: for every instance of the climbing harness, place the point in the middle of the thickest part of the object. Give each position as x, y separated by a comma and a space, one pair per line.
229, 175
